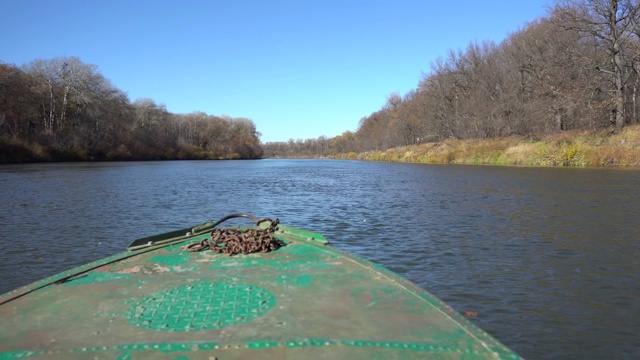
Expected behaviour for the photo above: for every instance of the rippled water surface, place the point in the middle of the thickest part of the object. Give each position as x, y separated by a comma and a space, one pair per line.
548, 258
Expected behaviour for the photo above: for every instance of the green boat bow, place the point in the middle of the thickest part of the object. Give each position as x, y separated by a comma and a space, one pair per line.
305, 299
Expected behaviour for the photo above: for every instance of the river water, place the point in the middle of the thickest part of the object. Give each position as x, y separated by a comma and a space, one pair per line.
548, 258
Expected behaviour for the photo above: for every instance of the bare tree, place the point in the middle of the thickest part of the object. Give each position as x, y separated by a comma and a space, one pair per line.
56, 82
612, 24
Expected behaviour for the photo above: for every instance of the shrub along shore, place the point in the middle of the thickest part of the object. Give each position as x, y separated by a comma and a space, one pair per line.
598, 148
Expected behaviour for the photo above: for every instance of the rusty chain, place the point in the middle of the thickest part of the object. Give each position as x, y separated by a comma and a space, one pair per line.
236, 241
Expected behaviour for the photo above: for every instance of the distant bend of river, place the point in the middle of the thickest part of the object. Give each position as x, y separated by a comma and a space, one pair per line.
548, 258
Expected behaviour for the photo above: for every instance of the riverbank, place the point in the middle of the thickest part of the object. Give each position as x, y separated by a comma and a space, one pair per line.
18, 151
596, 148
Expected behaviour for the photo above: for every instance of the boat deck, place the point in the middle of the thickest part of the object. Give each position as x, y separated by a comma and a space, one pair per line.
304, 300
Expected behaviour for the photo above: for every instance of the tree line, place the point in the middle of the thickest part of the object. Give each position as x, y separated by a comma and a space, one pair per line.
578, 67
62, 109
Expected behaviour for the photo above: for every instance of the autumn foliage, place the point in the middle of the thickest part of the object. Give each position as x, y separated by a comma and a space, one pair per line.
64, 110
576, 69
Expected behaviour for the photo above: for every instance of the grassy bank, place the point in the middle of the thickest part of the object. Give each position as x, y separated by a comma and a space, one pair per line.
580, 148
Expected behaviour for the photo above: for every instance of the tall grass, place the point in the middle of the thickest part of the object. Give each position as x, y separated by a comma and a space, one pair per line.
578, 148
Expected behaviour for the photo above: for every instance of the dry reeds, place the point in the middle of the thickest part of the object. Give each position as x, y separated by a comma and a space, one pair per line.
579, 148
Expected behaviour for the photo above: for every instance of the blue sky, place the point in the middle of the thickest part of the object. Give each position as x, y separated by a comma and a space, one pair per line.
299, 69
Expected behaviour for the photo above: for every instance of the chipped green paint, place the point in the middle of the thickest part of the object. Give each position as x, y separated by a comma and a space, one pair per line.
255, 261
388, 298
259, 345
200, 307
173, 259
308, 251
96, 277
304, 280
24, 354
179, 269
128, 350
127, 355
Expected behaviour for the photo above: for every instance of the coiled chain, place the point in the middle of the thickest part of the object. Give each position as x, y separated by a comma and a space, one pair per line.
236, 241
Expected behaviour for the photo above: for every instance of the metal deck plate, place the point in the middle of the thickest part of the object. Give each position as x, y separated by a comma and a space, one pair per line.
200, 307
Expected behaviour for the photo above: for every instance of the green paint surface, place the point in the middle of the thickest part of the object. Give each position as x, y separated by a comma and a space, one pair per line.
254, 262
388, 298
127, 355
173, 260
304, 280
128, 350
96, 277
200, 307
